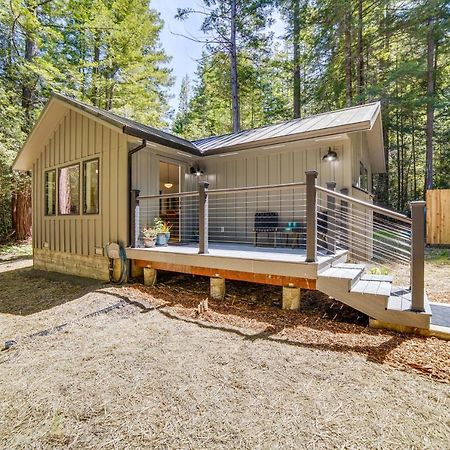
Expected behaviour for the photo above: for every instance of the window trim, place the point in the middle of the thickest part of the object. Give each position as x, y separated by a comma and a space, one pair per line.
46, 214
84, 162
79, 189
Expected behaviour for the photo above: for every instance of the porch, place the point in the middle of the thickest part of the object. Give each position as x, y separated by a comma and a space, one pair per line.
294, 235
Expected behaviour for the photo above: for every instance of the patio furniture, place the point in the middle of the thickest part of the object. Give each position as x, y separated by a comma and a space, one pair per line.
294, 232
265, 222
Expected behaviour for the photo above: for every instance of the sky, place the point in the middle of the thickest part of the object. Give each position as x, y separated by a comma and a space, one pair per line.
184, 53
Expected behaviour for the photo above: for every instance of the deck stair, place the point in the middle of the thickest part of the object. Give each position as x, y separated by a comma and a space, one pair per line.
373, 295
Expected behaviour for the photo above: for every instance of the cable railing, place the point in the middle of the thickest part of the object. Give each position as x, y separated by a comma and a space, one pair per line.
302, 217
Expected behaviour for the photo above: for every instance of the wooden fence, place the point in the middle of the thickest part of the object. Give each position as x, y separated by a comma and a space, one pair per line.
438, 216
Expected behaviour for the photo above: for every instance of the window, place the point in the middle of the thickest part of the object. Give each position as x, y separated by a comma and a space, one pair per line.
69, 190
363, 177
50, 193
91, 187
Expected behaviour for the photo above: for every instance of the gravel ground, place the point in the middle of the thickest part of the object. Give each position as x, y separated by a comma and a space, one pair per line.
153, 373
149, 378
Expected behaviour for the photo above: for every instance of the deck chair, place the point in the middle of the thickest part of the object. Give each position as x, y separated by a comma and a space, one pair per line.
265, 222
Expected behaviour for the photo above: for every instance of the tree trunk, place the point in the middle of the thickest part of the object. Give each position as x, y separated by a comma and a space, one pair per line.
95, 71
360, 57
413, 149
29, 82
234, 72
296, 57
348, 56
21, 213
431, 50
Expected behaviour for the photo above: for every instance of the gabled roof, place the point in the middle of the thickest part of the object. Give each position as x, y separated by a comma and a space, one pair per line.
358, 118
355, 118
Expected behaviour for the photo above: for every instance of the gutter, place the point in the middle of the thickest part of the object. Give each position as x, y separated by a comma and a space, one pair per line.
132, 193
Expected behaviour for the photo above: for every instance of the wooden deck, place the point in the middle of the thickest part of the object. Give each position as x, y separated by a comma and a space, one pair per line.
280, 266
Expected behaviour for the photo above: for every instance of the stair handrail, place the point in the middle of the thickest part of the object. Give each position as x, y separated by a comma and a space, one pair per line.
379, 209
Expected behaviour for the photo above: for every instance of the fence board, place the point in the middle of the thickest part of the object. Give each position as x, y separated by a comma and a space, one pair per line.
438, 216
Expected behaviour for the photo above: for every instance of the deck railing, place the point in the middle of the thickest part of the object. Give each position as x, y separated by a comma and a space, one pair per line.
302, 215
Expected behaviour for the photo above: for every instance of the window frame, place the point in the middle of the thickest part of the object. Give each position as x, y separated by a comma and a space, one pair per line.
83, 195
46, 214
76, 164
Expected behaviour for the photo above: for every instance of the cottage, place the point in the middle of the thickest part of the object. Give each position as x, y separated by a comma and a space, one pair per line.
285, 204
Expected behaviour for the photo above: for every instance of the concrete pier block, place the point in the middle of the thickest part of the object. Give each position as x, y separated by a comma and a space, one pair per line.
217, 288
135, 271
149, 276
291, 298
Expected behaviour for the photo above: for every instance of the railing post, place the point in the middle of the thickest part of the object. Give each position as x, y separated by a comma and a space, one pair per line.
418, 256
331, 218
134, 217
203, 216
345, 219
311, 216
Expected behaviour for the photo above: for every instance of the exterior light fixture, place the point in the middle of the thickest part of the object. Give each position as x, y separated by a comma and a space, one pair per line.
330, 156
196, 171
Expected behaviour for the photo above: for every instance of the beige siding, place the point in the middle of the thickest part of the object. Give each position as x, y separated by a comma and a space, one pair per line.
78, 138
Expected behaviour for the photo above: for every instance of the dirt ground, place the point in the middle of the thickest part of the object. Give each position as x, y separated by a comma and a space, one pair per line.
150, 372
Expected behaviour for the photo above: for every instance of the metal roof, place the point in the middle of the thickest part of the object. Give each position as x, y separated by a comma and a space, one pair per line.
357, 118
351, 119
134, 128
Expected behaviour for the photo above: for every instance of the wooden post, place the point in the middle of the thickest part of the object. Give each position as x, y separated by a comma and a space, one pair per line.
418, 256
203, 216
345, 218
311, 216
331, 217
134, 217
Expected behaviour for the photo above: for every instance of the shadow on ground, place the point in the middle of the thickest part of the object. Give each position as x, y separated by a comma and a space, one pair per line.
29, 291
322, 323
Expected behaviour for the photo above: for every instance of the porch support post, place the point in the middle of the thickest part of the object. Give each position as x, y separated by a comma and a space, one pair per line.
134, 217
311, 216
331, 208
345, 218
149, 276
418, 256
203, 216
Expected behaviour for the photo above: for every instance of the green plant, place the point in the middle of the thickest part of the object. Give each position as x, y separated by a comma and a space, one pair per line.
161, 226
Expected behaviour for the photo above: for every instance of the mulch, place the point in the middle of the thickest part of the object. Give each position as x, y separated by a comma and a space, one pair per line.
321, 323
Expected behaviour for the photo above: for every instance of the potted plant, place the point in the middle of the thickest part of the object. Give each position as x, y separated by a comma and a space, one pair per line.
163, 231
150, 234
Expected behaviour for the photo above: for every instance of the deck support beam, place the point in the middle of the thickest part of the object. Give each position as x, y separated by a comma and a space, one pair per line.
291, 298
311, 216
217, 288
149, 276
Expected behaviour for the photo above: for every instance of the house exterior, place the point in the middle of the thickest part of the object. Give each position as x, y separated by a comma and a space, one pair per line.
85, 160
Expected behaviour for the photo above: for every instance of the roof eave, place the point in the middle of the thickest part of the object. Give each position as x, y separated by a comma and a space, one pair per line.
324, 132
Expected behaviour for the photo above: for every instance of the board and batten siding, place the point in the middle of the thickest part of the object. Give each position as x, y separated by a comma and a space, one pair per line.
80, 138
232, 215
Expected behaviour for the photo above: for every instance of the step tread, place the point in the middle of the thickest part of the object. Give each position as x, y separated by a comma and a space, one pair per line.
373, 277
372, 287
342, 273
400, 300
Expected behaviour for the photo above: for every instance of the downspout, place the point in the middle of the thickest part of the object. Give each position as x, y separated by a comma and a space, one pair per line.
131, 193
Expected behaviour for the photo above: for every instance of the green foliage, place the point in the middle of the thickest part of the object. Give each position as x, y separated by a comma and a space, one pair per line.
104, 52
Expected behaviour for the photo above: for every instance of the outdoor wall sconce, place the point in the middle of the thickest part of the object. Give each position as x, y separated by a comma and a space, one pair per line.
196, 171
330, 156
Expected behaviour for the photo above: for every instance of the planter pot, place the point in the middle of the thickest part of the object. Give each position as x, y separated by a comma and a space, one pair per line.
149, 242
162, 239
